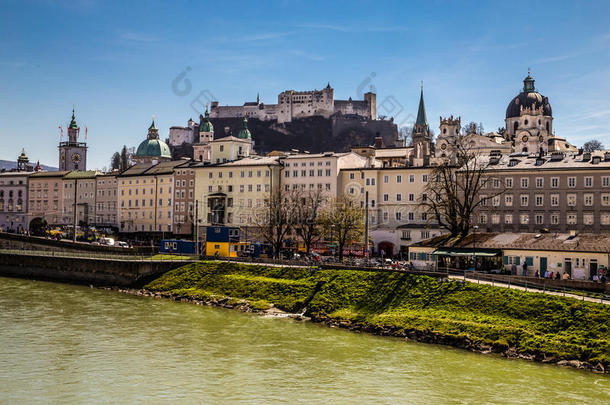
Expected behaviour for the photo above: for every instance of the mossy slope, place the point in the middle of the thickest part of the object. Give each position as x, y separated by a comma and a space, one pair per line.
530, 323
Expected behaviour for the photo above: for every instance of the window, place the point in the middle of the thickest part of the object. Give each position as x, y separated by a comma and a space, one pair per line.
539, 218
588, 181
386, 197
571, 182
411, 197
605, 219
411, 216
425, 234
605, 181
524, 182
398, 197
524, 219
571, 200
386, 179
508, 200
539, 200
411, 178
571, 219
587, 219
351, 175
495, 219
554, 182
496, 183
554, 219
588, 200
327, 172
524, 200
424, 178
399, 216
508, 218
554, 200
605, 200
424, 216
508, 182
386, 216
539, 182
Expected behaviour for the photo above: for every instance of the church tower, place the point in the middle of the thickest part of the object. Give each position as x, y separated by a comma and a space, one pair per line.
422, 139
72, 153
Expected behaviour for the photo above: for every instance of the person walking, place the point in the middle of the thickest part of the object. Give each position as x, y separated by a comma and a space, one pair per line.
524, 268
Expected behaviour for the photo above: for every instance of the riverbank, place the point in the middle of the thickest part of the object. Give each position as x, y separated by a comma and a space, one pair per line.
474, 317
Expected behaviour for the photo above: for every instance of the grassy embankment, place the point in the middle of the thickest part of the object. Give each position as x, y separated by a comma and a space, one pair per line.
502, 319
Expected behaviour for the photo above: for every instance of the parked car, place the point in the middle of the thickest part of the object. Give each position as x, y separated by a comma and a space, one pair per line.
122, 244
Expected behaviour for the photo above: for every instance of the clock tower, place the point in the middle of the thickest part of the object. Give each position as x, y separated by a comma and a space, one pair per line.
72, 153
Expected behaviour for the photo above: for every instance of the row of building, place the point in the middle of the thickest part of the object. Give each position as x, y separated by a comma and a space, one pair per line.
550, 185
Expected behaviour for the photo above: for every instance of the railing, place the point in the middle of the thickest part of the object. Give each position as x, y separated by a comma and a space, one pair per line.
101, 256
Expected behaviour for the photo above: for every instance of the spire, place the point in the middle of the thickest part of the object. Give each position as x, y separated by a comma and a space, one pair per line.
206, 125
73, 122
258, 99
421, 112
153, 131
152, 126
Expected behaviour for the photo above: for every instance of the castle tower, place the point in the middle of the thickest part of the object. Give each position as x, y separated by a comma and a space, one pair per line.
371, 100
72, 153
421, 131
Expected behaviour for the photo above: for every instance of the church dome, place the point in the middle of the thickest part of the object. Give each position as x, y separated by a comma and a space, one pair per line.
528, 98
154, 148
244, 132
206, 125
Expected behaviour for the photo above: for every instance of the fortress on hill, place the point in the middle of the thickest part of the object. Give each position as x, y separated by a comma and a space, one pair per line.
293, 104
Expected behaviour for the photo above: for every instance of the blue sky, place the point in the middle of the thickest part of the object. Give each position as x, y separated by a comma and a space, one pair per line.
116, 62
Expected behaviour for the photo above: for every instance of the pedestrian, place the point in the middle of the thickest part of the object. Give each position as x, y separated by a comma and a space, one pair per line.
546, 274
550, 275
536, 274
595, 278
513, 269
524, 268
557, 276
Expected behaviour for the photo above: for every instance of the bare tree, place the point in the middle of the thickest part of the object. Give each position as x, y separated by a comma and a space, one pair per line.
473, 128
274, 219
453, 193
307, 215
592, 146
346, 220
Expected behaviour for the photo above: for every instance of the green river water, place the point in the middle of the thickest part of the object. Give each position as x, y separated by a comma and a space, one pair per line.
70, 344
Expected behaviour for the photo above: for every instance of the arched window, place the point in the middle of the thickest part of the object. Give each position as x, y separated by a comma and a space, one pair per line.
524, 149
547, 127
515, 126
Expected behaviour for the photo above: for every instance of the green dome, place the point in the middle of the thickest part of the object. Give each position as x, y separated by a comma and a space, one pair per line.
206, 125
154, 148
244, 132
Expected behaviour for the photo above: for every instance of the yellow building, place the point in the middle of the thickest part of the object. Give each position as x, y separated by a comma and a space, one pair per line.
229, 194
396, 216
146, 197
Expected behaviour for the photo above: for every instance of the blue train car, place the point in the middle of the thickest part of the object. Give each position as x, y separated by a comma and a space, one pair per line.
177, 246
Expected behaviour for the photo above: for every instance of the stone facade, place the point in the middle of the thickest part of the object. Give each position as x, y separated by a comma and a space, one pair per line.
184, 199
79, 186
106, 202
45, 196
14, 201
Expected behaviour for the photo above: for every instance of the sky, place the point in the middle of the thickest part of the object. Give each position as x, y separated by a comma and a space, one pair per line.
122, 62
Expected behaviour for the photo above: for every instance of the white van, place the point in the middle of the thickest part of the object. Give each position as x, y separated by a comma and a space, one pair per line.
106, 241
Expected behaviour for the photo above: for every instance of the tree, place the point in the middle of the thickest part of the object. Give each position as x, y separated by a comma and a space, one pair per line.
125, 158
115, 161
307, 215
453, 193
346, 220
274, 219
592, 146
405, 133
473, 128
501, 131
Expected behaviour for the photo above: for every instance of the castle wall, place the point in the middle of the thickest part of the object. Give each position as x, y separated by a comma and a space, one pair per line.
180, 135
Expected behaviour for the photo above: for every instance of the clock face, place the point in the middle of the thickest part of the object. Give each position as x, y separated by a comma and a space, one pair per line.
75, 157
443, 146
525, 138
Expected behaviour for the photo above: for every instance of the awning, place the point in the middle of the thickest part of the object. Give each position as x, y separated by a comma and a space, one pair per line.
466, 252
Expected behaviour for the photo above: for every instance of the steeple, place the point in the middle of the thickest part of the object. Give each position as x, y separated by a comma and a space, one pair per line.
244, 132
73, 122
206, 125
421, 112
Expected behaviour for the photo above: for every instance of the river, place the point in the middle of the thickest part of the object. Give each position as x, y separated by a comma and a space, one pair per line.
72, 344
